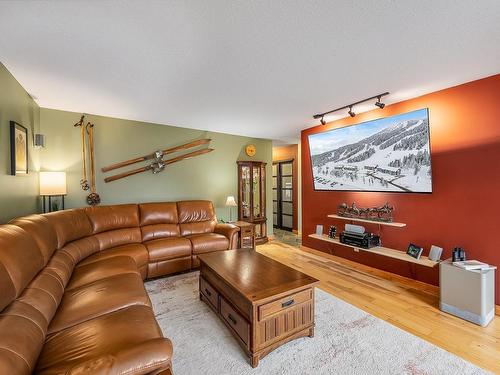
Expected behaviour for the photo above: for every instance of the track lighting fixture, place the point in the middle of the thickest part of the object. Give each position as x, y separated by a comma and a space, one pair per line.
378, 103
351, 113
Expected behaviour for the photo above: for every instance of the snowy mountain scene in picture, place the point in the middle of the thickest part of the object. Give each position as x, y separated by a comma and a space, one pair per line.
390, 154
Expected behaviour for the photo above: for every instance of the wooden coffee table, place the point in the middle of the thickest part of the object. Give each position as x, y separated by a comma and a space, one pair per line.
263, 302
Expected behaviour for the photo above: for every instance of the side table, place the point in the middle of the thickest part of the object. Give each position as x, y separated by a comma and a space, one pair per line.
247, 234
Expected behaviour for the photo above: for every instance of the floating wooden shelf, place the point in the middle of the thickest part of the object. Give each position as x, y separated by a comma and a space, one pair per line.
380, 250
391, 224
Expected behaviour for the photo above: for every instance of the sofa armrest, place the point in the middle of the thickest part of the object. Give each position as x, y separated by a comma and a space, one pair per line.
230, 231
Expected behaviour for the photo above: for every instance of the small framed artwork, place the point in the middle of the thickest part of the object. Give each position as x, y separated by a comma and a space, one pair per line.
18, 149
414, 251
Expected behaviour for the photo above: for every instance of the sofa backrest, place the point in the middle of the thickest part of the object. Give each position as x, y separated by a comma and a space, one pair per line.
23, 325
115, 225
69, 225
42, 232
195, 217
158, 220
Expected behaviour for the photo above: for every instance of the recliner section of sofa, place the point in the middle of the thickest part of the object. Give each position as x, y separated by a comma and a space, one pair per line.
72, 298
168, 251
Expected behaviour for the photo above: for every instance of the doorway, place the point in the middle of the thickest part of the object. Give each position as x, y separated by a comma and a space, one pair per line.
283, 195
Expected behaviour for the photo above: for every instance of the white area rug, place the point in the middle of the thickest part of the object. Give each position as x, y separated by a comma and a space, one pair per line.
347, 340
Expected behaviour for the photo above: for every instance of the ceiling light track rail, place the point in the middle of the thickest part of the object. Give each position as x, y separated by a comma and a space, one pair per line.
351, 113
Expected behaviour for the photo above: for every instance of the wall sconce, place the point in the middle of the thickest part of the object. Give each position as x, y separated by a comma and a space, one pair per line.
39, 140
52, 184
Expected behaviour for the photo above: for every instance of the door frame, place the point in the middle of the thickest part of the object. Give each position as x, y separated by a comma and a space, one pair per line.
279, 189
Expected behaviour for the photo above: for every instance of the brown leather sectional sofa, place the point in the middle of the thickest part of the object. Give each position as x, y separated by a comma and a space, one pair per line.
72, 298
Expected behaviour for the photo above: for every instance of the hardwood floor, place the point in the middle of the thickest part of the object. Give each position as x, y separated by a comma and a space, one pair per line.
405, 303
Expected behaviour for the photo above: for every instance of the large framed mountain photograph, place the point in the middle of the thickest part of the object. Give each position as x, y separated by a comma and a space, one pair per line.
390, 154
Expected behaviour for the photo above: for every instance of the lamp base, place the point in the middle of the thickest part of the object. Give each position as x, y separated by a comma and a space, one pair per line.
231, 221
50, 202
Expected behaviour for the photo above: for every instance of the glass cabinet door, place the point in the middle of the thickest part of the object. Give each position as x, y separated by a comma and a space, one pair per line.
256, 193
263, 191
245, 191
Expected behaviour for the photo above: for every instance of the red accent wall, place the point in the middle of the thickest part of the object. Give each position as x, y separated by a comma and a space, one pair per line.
464, 208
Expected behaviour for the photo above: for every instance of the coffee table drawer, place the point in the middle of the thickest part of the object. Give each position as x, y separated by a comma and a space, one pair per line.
284, 303
210, 293
235, 320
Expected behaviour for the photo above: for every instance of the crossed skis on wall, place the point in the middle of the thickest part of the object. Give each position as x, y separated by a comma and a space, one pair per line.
158, 163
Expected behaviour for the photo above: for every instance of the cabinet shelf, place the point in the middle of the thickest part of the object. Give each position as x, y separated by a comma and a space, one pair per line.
380, 250
390, 224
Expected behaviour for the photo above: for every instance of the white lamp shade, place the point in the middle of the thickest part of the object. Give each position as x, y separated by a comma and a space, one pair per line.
52, 183
230, 201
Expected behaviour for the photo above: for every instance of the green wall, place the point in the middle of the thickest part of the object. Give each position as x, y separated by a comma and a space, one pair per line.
18, 194
211, 176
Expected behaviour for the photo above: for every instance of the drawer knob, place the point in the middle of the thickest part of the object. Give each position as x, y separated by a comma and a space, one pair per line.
287, 303
208, 292
231, 318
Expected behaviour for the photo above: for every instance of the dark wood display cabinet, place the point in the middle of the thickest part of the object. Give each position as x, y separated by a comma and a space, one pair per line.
252, 197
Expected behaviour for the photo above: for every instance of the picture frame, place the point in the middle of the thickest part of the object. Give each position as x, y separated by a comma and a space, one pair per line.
388, 154
19, 158
414, 251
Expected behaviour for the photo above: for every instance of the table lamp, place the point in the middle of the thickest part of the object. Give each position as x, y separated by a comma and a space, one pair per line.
230, 202
52, 184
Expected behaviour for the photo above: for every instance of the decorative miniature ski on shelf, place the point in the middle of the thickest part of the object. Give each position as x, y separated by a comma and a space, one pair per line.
158, 163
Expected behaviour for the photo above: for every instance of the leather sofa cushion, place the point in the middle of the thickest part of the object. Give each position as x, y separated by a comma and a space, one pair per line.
136, 251
98, 298
167, 267
154, 231
20, 261
204, 243
196, 217
192, 211
104, 218
69, 225
61, 266
81, 249
125, 341
42, 232
188, 229
118, 237
22, 334
158, 213
44, 293
101, 269
168, 248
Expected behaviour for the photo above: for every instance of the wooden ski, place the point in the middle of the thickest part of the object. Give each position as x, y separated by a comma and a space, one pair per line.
158, 166
154, 154
84, 183
93, 198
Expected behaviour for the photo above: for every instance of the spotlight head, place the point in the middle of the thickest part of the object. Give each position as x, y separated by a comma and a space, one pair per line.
323, 122
351, 113
379, 104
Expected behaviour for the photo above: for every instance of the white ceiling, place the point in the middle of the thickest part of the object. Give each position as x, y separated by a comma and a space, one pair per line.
256, 68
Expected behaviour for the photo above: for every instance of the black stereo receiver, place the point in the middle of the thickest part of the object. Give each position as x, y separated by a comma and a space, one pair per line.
365, 240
